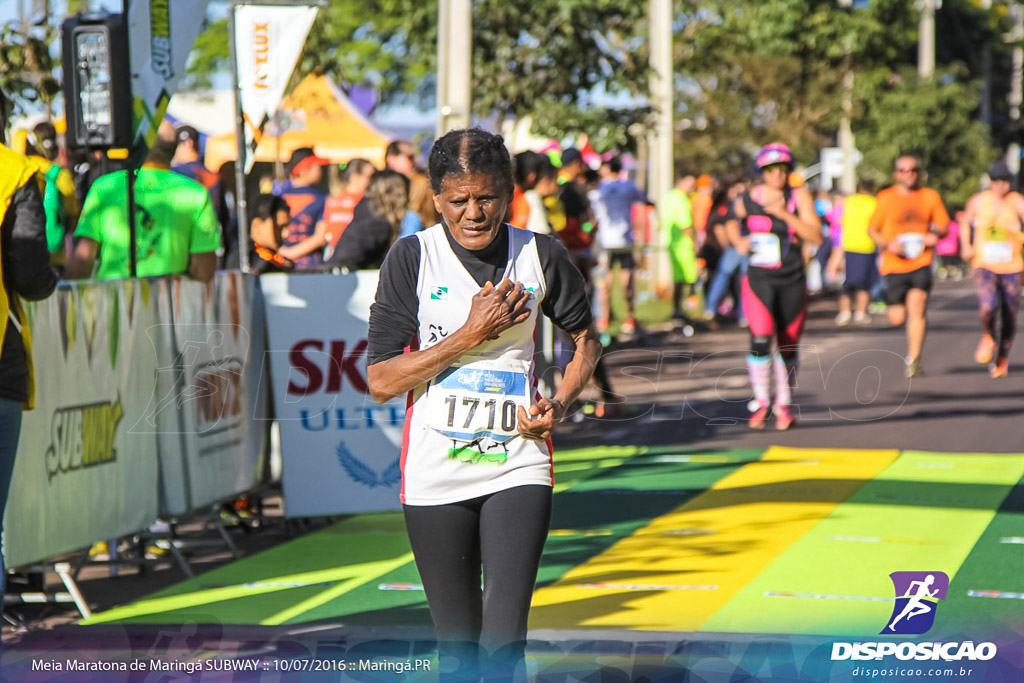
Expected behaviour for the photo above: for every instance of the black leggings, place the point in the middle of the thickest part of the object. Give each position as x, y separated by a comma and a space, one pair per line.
503, 534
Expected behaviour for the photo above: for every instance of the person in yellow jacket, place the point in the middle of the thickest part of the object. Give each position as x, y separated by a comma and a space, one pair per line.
25, 273
995, 253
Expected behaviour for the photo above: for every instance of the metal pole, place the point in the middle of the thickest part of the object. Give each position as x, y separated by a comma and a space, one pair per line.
1016, 97
133, 247
662, 86
460, 64
443, 12
926, 40
241, 203
848, 180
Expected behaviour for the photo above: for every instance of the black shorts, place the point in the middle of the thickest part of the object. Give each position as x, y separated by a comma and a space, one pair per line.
898, 284
624, 257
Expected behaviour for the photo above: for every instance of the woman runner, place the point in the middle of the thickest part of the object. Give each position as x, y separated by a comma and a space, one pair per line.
464, 296
772, 221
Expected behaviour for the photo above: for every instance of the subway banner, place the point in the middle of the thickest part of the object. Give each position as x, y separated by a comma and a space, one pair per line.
84, 470
340, 450
161, 34
268, 41
206, 413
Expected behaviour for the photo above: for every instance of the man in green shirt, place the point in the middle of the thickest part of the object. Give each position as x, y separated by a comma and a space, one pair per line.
176, 227
677, 228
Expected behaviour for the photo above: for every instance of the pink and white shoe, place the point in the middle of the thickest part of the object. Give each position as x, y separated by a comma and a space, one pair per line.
784, 418
759, 417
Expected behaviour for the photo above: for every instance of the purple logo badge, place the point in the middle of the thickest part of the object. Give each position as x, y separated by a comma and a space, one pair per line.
917, 598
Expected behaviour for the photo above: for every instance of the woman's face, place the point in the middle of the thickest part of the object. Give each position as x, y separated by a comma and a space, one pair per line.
775, 175
474, 207
547, 187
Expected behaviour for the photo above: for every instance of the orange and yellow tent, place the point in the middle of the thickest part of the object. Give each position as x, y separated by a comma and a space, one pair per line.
318, 115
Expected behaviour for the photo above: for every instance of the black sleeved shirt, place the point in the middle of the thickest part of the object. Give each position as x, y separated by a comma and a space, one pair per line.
27, 273
394, 314
365, 242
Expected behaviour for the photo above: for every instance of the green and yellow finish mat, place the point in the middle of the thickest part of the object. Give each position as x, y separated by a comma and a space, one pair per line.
786, 541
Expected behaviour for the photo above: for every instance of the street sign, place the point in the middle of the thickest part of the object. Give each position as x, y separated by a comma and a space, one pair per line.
832, 162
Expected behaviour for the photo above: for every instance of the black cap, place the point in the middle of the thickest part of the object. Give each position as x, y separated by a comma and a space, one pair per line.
302, 154
187, 133
1000, 171
571, 155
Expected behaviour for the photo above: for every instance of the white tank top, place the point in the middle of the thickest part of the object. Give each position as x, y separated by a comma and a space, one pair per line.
460, 438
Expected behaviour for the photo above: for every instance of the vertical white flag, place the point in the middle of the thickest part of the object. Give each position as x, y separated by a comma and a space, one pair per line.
268, 41
161, 34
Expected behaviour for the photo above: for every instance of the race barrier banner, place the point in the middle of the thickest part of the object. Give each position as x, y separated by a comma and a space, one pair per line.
82, 474
340, 450
207, 413
147, 406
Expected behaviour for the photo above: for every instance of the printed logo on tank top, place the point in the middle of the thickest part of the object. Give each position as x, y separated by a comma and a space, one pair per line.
997, 248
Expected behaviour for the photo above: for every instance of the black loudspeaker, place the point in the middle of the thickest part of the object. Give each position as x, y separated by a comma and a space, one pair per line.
97, 81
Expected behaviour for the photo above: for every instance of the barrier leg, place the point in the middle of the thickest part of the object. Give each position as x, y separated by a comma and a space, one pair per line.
218, 524
63, 570
172, 547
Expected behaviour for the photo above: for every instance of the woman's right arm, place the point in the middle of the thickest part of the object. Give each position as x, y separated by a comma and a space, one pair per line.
494, 310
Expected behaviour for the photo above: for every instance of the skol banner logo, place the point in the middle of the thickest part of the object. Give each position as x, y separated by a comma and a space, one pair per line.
82, 436
917, 597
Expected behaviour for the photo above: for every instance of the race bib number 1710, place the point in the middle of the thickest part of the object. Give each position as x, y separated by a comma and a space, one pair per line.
473, 402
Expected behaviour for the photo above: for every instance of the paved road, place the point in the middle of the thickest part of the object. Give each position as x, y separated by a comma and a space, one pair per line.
852, 392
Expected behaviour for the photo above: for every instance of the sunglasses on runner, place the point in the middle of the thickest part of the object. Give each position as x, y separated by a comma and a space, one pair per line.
912, 169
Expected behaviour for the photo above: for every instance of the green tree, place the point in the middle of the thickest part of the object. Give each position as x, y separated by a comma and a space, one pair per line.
27, 66
530, 57
754, 72
210, 54
934, 119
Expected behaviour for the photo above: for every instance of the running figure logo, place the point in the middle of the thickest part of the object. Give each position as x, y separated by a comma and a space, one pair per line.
917, 597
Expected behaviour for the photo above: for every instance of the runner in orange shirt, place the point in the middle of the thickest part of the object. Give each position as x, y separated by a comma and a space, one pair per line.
996, 252
906, 225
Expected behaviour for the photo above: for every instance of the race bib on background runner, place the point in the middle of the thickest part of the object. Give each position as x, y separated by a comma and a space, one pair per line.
765, 250
913, 244
997, 252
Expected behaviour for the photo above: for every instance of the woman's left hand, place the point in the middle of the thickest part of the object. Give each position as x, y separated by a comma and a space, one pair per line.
545, 415
777, 209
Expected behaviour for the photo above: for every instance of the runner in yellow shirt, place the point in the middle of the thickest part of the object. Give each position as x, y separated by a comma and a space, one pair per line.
856, 256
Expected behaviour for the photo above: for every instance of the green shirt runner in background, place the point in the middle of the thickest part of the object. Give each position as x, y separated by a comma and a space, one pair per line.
677, 227
173, 215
